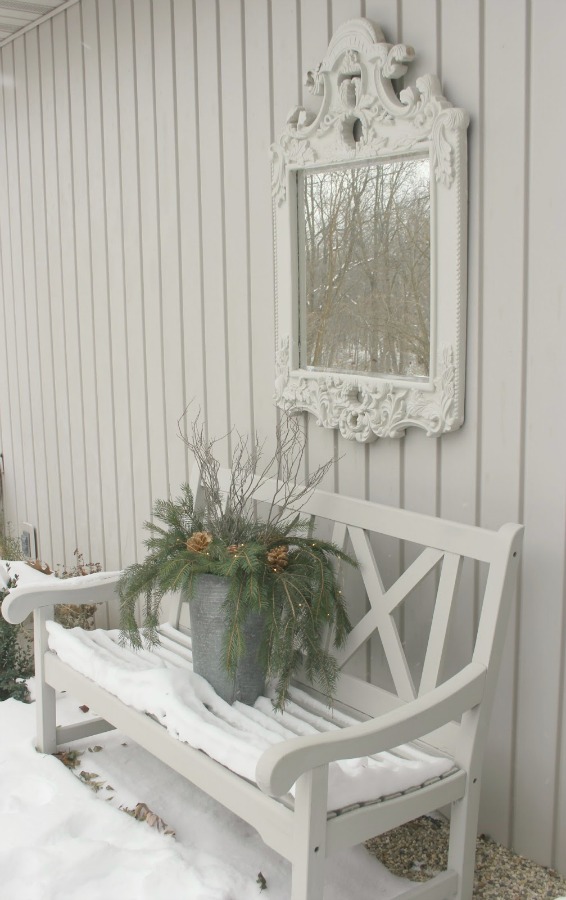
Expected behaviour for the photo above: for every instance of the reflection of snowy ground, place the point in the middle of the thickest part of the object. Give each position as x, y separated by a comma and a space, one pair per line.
60, 840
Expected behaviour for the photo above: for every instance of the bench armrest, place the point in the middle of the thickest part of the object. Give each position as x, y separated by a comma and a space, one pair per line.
280, 766
99, 587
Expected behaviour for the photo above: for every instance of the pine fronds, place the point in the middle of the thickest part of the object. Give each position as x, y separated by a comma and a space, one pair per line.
275, 567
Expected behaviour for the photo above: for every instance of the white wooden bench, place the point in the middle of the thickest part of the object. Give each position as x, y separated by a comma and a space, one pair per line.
445, 716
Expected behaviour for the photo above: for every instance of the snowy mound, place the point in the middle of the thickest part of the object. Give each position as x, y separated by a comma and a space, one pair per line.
162, 684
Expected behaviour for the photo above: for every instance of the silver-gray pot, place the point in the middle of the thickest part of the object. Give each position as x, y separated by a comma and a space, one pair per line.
208, 629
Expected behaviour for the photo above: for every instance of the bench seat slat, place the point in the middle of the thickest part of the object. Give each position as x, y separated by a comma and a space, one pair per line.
179, 638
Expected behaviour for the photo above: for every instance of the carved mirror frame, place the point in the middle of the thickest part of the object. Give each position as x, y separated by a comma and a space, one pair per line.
354, 81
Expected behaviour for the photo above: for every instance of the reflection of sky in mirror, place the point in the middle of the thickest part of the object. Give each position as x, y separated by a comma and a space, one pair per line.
366, 269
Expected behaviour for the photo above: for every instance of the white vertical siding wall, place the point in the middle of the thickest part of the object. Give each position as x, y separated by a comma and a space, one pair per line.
137, 274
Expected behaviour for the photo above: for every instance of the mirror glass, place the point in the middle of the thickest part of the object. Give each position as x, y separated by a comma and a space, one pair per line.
364, 249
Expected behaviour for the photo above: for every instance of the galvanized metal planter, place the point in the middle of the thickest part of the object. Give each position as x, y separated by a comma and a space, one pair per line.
208, 629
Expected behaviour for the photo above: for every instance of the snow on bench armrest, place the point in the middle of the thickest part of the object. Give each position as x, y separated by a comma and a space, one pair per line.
281, 765
86, 589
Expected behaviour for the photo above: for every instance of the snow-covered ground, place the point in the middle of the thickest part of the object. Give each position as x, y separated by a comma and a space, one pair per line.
60, 840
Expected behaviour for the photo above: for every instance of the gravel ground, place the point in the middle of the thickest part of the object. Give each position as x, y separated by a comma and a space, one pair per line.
418, 851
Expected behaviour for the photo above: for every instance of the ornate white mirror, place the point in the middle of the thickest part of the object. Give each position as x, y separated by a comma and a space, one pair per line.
370, 238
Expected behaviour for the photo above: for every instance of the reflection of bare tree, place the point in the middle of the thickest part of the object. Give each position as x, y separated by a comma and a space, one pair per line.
367, 268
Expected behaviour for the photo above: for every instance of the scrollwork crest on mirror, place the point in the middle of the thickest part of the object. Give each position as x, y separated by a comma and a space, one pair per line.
370, 204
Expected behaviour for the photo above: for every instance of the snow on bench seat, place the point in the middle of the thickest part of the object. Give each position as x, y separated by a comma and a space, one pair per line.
162, 684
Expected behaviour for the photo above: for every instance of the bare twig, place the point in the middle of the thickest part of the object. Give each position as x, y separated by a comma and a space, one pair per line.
250, 471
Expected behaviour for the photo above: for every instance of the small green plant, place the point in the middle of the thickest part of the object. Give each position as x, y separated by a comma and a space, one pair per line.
10, 545
16, 660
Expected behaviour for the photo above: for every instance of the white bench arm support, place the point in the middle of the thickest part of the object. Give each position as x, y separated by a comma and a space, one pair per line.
281, 765
99, 587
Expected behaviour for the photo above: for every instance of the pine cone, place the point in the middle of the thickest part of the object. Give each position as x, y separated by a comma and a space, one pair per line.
278, 558
199, 541
233, 548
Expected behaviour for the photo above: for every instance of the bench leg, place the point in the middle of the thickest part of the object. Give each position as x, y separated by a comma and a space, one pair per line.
463, 831
46, 740
45, 714
310, 835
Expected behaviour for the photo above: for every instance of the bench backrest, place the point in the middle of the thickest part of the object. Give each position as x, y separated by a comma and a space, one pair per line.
363, 528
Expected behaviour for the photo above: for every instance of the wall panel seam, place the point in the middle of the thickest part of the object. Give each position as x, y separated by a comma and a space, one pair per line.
107, 274
125, 349
221, 150
5, 301
140, 247
199, 208
481, 286
159, 246
76, 275
18, 103
13, 289
558, 852
34, 226
91, 279
247, 219
70, 474
178, 216
522, 448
